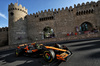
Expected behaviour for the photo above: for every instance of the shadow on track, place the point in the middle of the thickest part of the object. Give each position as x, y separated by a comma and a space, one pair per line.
84, 44
94, 55
26, 61
92, 45
89, 47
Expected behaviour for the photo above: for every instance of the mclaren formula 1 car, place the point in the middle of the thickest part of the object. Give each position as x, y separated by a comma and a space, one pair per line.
49, 53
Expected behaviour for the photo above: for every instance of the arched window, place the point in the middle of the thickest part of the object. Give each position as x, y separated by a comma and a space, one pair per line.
52, 17
48, 32
42, 19
92, 11
87, 12
77, 13
84, 12
48, 18
86, 26
93, 5
81, 12
11, 13
97, 5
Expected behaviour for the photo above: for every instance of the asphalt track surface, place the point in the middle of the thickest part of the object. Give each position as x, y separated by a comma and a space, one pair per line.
85, 53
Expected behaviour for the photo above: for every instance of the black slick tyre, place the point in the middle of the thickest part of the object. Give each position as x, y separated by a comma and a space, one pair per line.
18, 52
49, 55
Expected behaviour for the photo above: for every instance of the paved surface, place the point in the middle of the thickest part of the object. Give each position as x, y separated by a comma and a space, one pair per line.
85, 53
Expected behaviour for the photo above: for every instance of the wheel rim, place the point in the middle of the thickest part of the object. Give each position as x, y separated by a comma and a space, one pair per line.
47, 56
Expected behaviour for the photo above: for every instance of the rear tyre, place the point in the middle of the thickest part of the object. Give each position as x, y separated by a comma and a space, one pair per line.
49, 55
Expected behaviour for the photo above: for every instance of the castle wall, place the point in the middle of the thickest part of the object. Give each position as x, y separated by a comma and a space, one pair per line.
65, 20
35, 28
98, 15
28, 28
64, 23
61, 24
87, 13
3, 36
85, 18
19, 32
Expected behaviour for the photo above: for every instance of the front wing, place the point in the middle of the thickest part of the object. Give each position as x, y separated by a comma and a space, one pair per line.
64, 56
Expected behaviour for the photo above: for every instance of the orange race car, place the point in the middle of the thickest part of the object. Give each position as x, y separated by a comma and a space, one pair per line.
49, 53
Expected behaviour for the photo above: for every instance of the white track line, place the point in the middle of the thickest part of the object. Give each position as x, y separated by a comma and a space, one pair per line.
83, 42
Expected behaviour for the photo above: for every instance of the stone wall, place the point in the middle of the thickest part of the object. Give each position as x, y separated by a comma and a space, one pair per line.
65, 20
3, 38
27, 28
68, 38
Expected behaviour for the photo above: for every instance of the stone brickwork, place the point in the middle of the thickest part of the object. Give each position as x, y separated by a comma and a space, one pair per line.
69, 38
27, 28
65, 20
3, 36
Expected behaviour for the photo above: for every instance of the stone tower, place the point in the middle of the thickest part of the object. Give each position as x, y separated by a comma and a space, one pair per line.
17, 24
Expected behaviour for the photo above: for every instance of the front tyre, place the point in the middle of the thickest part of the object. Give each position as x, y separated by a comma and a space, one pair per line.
18, 52
49, 55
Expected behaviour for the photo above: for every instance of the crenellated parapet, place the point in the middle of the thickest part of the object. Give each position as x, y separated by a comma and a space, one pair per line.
42, 13
85, 10
17, 7
49, 12
3, 29
92, 4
